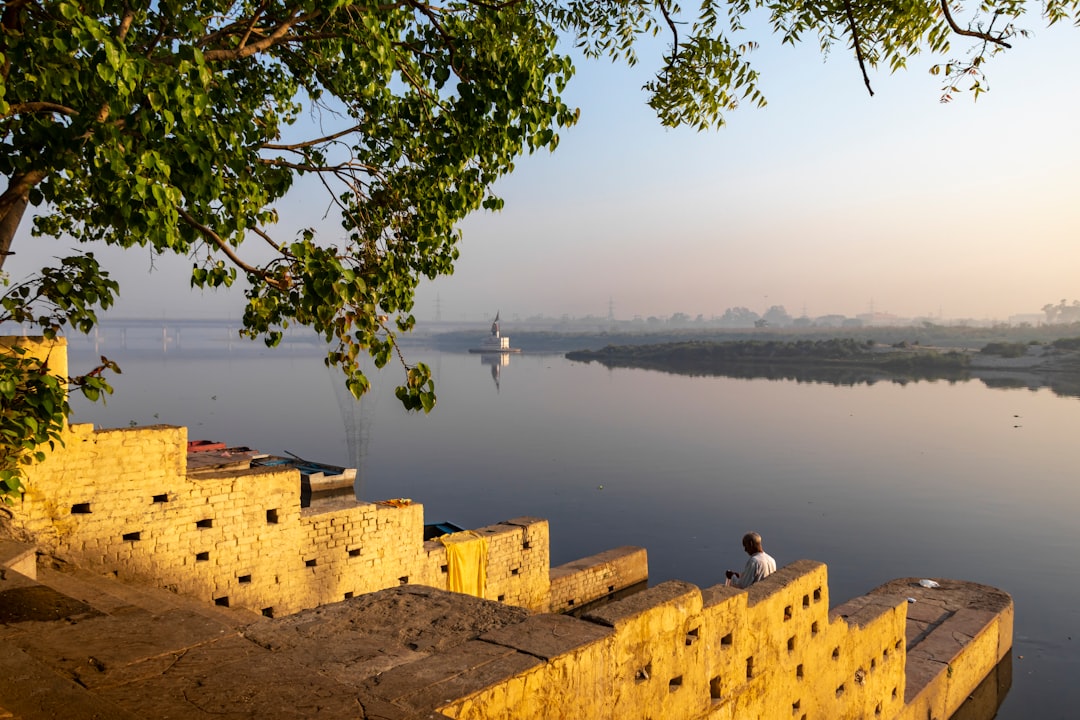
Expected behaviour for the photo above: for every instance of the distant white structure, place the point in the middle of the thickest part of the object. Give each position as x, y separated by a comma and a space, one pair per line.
495, 342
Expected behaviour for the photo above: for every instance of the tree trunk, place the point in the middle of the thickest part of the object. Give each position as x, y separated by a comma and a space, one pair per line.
8, 225
12, 206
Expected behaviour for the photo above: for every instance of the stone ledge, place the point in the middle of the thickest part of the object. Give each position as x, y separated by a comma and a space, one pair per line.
624, 553
764, 589
20, 557
622, 611
547, 636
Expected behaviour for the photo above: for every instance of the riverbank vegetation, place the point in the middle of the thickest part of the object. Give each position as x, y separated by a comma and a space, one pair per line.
536, 337
708, 357
1005, 349
844, 361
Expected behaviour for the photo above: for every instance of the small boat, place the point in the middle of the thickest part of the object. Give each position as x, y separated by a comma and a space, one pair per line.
206, 456
496, 342
319, 477
439, 529
204, 446
318, 481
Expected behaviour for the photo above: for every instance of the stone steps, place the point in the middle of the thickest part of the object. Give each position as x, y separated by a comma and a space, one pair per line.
70, 635
952, 629
108, 594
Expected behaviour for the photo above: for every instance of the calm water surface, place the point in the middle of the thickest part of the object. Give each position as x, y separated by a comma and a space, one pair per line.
929, 479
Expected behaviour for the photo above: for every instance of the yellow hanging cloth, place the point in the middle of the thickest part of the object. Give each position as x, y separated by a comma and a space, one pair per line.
466, 562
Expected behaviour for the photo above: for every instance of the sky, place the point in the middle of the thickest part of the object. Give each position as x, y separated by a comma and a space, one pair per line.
827, 201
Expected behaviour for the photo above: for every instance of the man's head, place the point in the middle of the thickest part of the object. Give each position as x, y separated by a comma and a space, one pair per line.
751, 543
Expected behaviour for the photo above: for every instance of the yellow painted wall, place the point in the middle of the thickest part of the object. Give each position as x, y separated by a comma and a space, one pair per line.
965, 659
121, 501
53, 352
575, 583
675, 651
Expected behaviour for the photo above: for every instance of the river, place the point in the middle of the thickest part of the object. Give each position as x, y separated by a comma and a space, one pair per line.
924, 479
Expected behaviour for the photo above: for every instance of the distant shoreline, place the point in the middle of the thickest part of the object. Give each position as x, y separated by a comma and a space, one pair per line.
849, 362
835, 353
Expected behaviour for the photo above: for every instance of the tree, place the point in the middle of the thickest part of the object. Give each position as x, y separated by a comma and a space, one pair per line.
679, 319
739, 317
178, 125
1063, 312
777, 316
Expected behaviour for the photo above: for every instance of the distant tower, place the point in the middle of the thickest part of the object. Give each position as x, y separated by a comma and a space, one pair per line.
438, 308
611, 309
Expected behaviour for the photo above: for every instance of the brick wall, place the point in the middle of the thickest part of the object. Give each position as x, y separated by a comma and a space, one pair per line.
581, 581
121, 501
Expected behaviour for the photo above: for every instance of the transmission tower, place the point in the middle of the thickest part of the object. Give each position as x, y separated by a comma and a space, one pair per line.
356, 419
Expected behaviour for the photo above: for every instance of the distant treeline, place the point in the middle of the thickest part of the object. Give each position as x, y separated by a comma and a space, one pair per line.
531, 340
714, 357
1016, 349
1067, 343
845, 361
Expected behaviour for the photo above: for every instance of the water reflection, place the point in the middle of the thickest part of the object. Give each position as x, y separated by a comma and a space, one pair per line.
497, 361
985, 701
356, 419
1065, 384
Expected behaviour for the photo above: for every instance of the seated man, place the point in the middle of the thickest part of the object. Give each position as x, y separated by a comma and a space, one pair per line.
759, 566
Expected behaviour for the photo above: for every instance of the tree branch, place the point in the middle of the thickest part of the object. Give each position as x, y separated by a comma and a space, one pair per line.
451, 49
674, 31
10, 21
347, 168
270, 241
121, 33
858, 45
266, 42
251, 25
228, 251
494, 6
969, 33
36, 107
125, 24
316, 141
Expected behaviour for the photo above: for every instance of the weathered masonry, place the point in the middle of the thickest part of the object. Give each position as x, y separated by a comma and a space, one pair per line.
773, 651
123, 503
